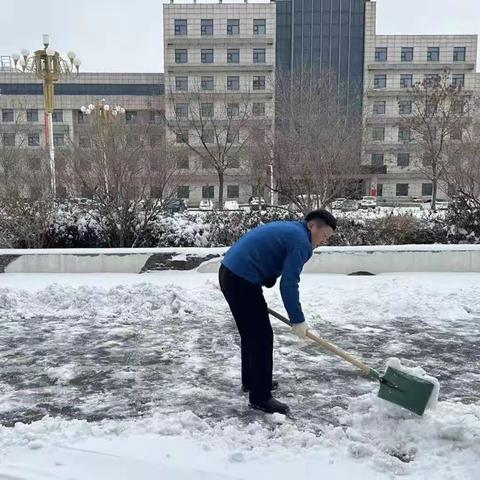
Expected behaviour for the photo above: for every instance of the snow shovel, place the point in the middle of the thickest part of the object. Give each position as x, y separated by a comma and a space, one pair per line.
396, 386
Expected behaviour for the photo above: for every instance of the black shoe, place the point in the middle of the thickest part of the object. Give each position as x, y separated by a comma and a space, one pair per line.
271, 406
247, 389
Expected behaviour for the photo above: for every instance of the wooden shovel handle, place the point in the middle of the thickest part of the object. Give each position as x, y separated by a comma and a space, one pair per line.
327, 345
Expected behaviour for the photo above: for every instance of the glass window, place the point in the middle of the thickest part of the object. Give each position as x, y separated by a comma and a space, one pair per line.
57, 116
259, 82
233, 110
157, 116
59, 139
7, 115
258, 109
83, 141
402, 189
458, 106
433, 54
259, 55
34, 140
82, 118
183, 191
459, 54
181, 84
233, 191
233, 55
207, 27
8, 139
403, 159
378, 133
208, 192
379, 107
380, 81
181, 110
381, 54
427, 189
379, 189
207, 55
206, 110
233, 162
404, 134
431, 79
32, 115
208, 136
458, 80
233, 26
206, 83
180, 27
233, 83
131, 116
183, 162
377, 159
406, 80
233, 136
259, 26
182, 137
181, 55
407, 54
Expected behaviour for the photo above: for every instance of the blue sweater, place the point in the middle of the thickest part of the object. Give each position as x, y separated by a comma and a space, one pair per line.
271, 250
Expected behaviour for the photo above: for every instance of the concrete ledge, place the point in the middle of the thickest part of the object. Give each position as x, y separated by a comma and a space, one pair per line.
340, 260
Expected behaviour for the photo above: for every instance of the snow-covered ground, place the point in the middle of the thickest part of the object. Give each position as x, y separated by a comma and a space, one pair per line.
119, 376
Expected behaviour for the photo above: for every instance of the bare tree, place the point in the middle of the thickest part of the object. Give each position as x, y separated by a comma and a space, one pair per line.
440, 114
317, 141
216, 127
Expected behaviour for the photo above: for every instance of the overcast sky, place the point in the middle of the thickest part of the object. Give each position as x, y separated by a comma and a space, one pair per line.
126, 35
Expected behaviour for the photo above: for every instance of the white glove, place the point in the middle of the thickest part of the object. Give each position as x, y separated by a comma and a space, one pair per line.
300, 329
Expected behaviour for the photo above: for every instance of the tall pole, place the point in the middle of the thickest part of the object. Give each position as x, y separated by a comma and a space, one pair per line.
48, 98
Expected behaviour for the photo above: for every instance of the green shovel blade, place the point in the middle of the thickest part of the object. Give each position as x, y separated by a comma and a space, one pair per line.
406, 390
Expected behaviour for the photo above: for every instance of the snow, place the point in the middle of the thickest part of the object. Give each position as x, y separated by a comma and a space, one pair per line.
121, 376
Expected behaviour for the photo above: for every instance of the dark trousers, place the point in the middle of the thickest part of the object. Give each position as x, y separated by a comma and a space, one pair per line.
250, 312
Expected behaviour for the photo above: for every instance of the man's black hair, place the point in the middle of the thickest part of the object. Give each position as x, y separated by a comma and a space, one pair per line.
322, 215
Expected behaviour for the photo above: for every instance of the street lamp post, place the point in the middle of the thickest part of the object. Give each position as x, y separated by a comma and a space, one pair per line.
48, 65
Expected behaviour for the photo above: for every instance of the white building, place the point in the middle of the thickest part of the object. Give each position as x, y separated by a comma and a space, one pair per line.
218, 51
392, 64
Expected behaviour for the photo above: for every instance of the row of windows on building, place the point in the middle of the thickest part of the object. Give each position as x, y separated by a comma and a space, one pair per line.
403, 189
207, 110
208, 136
405, 107
207, 26
406, 80
403, 159
208, 192
31, 115
33, 139
207, 83
207, 55
433, 54
405, 134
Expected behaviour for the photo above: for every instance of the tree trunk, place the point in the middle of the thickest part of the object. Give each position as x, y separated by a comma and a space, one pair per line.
220, 189
434, 194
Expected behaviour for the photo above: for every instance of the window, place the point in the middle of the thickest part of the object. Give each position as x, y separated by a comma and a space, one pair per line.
181, 110
59, 139
233, 83
431, 107
403, 159
57, 116
82, 118
402, 189
7, 115
431, 79
8, 139
233, 162
181, 84
427, 189
258, 109
206, 83
459, 54
379, 108
180, 27
380, 81
157, 116
405, 107
32, 115
183, 191
156, 191
433, 54
426, 159
131, 116
207, 55
404, 134
182, 137
34, 140
379, 189
458, 107
233, 110
206, 27
233, 26
233, 191
456, 133
206, 164
208, 136
458, 80
133, 140
259, 55
259, 82
183, 162
406, 80
377, 159
181, 55
206, 110
155, 141
381, 54
233, 55
378, 133
407, 54
83, 141
208, 192
232, 136
259, 26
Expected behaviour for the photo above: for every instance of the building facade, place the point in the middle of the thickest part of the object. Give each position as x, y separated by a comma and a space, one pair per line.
393, 63
221, 56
